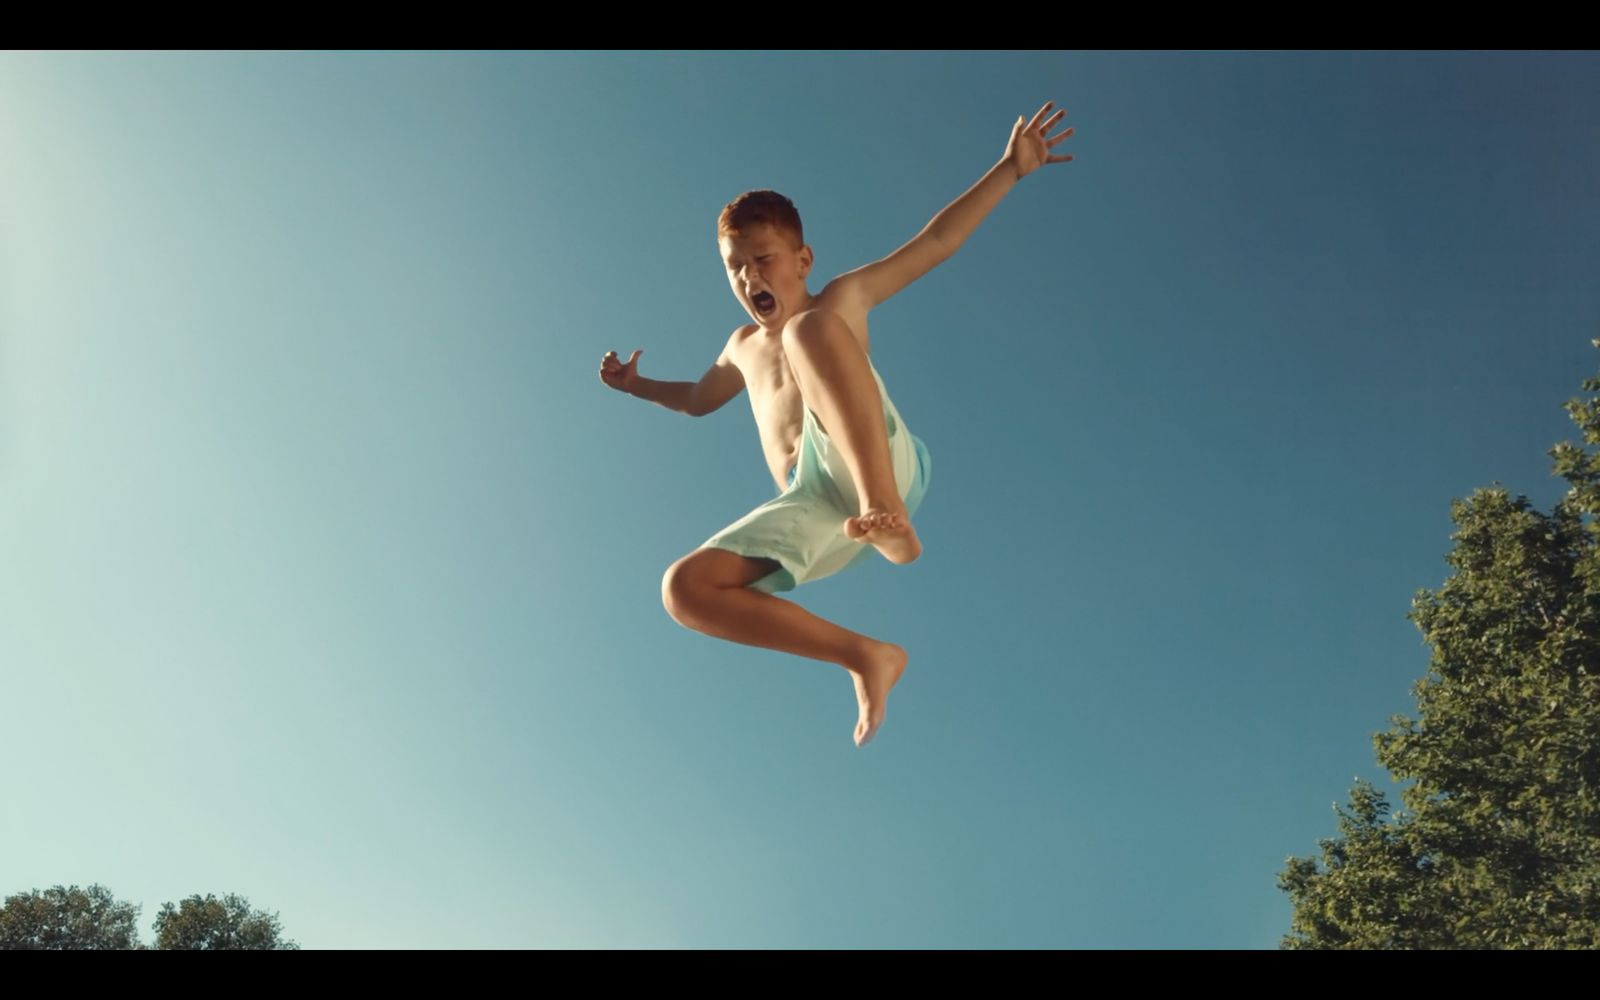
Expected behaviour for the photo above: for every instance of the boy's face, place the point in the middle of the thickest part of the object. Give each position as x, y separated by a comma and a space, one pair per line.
767, 273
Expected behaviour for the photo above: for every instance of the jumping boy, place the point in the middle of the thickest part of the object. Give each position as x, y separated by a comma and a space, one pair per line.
849, 473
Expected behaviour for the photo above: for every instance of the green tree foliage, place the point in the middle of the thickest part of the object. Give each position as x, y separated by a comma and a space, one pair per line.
212, 924
78, 919
1499, 843
67, 919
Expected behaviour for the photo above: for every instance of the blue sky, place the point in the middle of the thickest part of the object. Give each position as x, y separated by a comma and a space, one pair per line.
331, 571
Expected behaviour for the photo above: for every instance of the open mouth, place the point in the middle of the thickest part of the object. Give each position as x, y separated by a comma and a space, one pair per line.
764, 302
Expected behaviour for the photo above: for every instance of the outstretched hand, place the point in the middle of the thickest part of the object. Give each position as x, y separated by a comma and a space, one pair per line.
619, 375
1028, 149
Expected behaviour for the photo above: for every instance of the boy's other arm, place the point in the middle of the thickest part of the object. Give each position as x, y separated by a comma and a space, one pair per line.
1026, 151
721, 382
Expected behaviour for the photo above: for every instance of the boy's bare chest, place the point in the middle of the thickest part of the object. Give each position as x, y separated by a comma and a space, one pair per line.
770, 379
766, 369
775, 397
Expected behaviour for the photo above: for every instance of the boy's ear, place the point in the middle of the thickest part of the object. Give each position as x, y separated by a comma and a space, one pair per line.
806, 259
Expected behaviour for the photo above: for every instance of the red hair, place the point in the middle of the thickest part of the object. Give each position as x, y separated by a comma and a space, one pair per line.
754, 207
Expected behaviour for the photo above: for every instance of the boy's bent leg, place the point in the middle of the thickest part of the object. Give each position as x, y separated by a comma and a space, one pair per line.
837, 384
707, 591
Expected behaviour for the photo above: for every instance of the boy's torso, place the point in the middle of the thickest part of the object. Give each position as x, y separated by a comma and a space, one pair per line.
774, 392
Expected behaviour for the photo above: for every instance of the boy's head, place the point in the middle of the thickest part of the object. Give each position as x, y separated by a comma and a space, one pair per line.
755, 207
763, 247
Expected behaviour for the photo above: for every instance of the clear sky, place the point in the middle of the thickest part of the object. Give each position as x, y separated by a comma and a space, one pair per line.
330, 572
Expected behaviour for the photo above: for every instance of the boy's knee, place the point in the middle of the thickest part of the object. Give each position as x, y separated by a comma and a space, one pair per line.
689, 586
672, 590
806, 327
678, 587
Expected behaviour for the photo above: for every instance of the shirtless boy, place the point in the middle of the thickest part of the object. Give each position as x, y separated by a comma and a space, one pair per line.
849, 473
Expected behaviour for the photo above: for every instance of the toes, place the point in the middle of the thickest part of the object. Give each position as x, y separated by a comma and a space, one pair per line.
879, 520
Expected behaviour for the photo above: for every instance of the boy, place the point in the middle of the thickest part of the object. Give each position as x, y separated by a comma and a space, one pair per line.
849, 473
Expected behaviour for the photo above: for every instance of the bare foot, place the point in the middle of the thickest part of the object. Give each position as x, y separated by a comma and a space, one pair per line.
874, 674
891, 534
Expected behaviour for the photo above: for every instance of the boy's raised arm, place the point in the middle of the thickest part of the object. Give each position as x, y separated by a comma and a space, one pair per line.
1026, 151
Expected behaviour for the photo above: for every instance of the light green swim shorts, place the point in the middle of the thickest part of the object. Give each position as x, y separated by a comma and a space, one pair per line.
803, 528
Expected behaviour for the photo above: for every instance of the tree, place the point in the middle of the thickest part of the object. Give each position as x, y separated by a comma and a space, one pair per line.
210, 924
81, 919
1499, 844
63, 918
